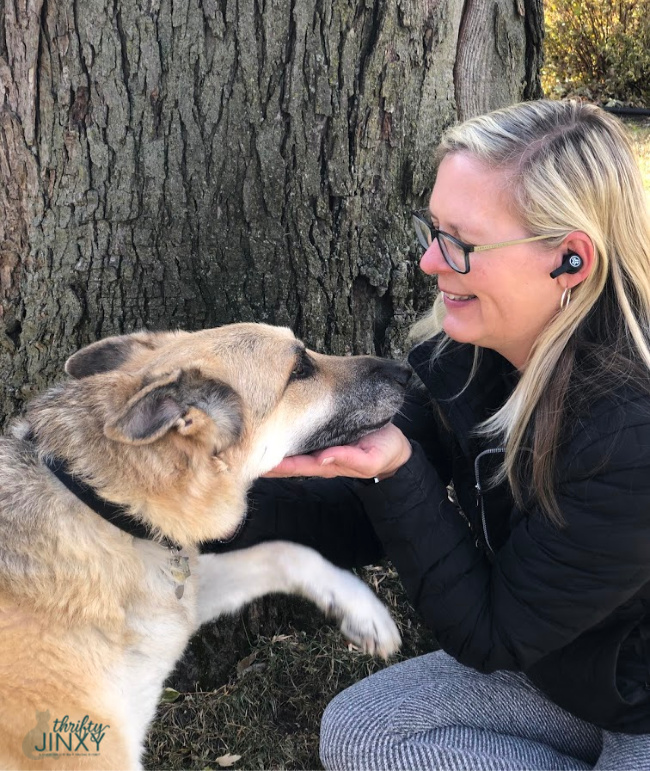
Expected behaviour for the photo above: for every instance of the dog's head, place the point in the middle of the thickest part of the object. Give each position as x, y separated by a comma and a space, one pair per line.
171, 421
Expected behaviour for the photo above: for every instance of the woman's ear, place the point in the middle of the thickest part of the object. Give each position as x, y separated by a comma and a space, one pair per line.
580, 244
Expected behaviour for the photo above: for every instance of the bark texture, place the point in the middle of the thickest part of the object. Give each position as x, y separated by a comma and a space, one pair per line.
195, 162
494, 41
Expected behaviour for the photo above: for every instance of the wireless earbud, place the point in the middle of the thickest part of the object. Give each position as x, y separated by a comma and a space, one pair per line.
571, 263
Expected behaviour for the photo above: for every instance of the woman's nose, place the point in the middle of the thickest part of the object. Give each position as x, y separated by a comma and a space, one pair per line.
432, 261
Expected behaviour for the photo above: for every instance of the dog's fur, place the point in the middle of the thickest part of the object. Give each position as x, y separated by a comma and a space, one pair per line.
174, 427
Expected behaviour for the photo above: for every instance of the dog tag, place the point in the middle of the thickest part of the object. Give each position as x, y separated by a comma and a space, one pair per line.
179, 567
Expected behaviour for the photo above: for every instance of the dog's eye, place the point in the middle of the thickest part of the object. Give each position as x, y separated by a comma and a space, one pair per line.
304, 368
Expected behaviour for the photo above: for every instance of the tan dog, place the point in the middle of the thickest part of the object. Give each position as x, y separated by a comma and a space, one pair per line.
162, 435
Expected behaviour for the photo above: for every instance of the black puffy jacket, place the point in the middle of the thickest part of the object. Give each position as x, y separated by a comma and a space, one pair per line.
501, 587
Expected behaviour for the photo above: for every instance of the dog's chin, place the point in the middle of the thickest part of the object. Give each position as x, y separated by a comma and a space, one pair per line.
232, 533
323, 442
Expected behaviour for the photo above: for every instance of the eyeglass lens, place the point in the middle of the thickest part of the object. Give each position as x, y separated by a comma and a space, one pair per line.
453, 254
423, 232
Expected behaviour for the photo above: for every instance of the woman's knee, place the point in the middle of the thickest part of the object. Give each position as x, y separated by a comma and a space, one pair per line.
347, 722
624, 751
366, 715
422, 696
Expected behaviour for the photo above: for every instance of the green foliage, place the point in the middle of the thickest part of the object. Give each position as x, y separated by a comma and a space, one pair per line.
599, 49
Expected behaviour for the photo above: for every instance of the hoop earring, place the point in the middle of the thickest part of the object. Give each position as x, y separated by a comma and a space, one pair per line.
565, 299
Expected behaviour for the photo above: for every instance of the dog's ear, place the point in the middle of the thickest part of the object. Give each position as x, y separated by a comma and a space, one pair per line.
185, 401
105, 355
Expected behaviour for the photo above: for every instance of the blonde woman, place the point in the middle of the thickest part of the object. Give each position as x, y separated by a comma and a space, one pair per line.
533, 404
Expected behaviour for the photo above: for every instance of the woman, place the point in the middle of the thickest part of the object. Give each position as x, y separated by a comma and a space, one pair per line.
533, 406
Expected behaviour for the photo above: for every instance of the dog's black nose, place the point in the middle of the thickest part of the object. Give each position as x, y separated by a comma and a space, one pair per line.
401, 372
393, 370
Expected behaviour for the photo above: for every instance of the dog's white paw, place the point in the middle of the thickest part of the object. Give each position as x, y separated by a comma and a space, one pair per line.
281, 566
364, 619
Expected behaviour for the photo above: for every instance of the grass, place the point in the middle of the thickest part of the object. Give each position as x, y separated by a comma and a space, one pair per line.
267, 714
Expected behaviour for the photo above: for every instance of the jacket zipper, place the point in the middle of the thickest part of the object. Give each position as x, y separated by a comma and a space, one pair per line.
479, 491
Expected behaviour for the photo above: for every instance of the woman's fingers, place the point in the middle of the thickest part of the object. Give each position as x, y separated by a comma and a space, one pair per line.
377, 454
297, 466
326, 463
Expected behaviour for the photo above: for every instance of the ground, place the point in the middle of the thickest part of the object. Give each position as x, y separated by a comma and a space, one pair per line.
267, 715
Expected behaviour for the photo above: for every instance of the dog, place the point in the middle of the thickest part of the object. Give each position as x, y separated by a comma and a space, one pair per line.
107, 487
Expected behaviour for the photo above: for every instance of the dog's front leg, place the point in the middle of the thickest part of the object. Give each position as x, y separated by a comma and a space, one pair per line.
229, 581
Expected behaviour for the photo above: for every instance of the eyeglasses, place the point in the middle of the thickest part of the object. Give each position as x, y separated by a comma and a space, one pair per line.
455, 252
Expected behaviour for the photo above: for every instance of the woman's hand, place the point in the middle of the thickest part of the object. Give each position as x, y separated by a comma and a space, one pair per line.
378, 454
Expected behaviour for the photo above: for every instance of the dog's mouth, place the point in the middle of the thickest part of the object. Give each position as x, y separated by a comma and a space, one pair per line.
359, 409
330, 438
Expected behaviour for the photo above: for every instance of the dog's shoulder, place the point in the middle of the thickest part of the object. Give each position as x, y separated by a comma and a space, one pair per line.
23, 478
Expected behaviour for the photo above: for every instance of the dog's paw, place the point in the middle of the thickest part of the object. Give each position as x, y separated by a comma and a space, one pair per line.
297, 569
365, 620
376, 635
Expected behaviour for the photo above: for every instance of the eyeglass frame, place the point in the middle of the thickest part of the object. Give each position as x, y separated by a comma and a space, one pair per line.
467, 248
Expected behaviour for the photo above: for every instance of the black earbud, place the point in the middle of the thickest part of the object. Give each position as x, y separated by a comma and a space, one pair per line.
571, 263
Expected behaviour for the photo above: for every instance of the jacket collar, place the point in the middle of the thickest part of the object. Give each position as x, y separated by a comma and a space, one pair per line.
446, 375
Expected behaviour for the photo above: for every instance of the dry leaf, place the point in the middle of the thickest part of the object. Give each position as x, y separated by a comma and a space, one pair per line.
245, 664
281, 638
228, 760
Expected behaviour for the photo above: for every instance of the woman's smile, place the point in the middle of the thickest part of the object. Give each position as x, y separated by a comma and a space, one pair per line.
457, 300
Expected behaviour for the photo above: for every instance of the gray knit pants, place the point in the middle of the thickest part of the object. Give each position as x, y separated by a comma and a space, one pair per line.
433, 713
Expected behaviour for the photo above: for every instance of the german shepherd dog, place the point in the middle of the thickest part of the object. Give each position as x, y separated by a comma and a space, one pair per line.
108, 485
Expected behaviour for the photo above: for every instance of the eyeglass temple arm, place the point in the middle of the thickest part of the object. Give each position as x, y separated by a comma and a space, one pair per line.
507, 243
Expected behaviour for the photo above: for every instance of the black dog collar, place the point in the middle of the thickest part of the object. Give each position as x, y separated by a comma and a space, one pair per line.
179, 567
111, 512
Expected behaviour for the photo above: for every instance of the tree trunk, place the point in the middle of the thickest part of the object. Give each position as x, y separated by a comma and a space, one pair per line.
187, 163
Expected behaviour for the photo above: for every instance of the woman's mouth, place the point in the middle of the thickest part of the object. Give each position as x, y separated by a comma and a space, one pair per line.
458, 297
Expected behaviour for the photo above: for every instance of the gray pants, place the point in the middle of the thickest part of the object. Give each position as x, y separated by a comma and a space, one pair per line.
433, 713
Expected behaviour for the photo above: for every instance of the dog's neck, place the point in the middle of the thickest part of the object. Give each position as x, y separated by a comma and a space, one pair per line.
160, 521
112, 512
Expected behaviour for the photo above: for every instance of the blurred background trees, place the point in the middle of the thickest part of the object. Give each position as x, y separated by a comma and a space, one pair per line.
598, 49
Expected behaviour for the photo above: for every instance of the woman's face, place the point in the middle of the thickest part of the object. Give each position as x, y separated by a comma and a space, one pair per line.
508, 297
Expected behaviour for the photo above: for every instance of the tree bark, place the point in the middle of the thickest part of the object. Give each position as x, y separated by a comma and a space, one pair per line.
187, 163
494, 41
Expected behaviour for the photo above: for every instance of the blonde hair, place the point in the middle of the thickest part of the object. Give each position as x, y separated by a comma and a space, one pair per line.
569, 166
